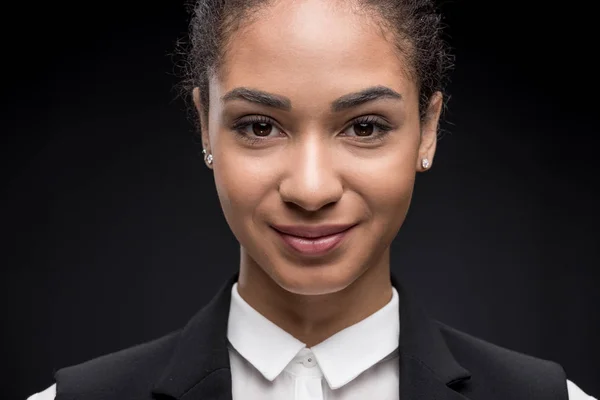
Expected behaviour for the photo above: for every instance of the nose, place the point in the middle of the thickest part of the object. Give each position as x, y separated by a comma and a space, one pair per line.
311, 181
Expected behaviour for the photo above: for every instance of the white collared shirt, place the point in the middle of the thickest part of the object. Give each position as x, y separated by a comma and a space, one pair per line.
268, 363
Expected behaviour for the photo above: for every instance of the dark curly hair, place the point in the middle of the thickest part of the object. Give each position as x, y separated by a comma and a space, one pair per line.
416, 26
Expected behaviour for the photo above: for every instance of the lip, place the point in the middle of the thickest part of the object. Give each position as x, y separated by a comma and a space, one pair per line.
311, 232
313, 240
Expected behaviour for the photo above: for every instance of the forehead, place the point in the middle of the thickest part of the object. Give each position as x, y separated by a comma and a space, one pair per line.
297, 47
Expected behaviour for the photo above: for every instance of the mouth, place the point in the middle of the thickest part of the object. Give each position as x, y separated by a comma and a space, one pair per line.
313, 240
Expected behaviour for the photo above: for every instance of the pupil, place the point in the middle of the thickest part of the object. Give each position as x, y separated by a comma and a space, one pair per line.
363, 129
261, 128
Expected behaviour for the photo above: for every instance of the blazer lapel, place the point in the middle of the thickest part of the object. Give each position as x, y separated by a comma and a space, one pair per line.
199, 368
428, 369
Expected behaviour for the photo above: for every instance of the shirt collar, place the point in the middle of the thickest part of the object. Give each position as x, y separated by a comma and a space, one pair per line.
341, 357
265, 345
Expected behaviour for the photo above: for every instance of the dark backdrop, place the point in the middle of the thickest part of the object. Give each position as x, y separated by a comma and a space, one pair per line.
113, 234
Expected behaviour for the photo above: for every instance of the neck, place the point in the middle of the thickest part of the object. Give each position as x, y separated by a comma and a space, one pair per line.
313, 318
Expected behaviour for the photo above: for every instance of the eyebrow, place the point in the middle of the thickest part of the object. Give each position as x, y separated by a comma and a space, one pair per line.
345, 102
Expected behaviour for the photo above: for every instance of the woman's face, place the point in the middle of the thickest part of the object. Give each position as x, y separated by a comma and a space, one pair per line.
296, 145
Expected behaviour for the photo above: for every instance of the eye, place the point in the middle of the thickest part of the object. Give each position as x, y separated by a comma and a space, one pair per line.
367, 128
257, 127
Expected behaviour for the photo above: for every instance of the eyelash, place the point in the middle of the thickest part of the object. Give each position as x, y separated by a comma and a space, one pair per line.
241, 126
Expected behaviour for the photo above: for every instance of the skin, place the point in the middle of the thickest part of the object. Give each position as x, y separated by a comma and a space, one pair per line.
313, 168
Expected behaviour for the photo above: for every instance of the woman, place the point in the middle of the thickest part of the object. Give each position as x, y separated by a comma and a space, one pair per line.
315, 117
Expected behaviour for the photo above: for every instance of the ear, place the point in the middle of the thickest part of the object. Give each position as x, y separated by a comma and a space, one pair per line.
429, 130
201, 116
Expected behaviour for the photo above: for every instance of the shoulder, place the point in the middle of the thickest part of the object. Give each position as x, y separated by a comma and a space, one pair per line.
123, 371
494, 366
485, 358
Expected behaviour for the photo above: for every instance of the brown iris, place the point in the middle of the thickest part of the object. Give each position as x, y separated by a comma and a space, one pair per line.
363, 129
262, 128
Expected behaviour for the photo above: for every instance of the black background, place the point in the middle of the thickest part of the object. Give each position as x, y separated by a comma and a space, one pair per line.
113, 234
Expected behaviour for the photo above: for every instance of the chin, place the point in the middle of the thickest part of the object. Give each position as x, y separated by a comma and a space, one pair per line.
314, 280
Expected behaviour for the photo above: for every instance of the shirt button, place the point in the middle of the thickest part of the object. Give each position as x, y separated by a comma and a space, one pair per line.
309, 362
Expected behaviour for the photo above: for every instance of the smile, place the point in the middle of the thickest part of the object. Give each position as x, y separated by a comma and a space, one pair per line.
313, 241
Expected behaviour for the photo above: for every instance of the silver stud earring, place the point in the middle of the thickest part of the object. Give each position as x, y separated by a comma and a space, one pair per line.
208, 158
425, 163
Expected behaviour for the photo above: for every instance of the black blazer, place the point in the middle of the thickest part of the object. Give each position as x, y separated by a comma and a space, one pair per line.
436, 362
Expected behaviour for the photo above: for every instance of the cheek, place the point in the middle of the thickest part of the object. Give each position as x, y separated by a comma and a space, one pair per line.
241, 183
386, 185
393, 198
